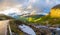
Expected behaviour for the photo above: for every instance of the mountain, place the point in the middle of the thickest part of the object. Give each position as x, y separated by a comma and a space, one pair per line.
31, 18
25, 18
35, 16
14, 15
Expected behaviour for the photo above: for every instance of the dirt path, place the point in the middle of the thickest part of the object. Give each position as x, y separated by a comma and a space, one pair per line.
3, 27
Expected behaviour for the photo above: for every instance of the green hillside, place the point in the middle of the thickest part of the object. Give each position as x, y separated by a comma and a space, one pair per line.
29, 19
44, 20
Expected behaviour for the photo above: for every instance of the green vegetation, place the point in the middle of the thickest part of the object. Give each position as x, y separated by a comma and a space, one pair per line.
30, 19
4, 17
44, 20
13, 24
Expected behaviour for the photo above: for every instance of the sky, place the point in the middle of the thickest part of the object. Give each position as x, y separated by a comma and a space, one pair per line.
40, 6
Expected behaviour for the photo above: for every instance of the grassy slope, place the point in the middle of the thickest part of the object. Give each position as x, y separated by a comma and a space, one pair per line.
42, 20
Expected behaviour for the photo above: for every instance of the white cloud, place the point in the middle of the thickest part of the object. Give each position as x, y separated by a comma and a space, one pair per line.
10, 10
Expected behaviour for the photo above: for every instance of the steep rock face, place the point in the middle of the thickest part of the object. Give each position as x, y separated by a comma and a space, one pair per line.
55, 11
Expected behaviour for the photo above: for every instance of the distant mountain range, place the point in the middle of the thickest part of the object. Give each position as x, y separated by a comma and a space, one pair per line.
14, 15
24, 18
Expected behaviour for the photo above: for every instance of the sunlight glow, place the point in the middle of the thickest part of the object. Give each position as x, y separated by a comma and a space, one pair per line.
29, 7
33, 12
19, 5
33, 1
47, 1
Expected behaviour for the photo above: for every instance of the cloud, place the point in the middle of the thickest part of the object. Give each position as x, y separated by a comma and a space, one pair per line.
38, 5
